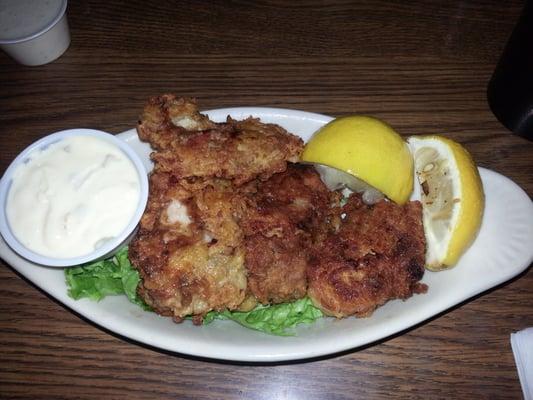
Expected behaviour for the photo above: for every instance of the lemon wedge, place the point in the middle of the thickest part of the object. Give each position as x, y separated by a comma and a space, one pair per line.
369, 150
452, 198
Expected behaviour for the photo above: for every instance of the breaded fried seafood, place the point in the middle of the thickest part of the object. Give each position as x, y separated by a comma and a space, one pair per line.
232, 221
377, 255
189, 145
190, 249
287, 214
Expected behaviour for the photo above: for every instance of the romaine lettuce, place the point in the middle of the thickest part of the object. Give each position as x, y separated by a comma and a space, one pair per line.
104, 278
116, 276
277, 319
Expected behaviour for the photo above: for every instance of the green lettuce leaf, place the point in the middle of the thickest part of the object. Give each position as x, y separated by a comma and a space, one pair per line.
277, 319
104, 278
116, 276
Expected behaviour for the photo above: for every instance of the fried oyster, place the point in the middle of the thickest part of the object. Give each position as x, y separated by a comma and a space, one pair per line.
377, 255
190, 249
231, 221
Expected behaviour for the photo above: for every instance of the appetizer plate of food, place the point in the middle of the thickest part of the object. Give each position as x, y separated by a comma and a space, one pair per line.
501, 250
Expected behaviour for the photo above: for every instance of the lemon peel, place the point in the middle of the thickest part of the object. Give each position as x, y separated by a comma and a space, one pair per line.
368, 149
452, 197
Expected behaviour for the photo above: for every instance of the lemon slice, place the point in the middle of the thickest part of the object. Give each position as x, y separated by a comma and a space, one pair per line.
452, 198
368, 149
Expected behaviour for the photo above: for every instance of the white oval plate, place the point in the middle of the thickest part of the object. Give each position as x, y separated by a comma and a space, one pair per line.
501, 251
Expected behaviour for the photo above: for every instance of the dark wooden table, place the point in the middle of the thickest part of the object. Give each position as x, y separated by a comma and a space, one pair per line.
421, 66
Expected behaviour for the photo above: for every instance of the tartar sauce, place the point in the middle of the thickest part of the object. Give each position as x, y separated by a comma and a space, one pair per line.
72, 196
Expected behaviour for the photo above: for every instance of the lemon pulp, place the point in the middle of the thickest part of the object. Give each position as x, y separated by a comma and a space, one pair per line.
452, 198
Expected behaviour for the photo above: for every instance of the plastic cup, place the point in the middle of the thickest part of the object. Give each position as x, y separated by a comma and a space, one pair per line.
510, 90
34, 32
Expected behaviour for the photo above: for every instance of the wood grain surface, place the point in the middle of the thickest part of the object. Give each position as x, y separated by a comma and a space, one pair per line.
423, 66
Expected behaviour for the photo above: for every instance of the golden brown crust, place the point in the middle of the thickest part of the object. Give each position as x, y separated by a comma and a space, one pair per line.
189, 249
188, 144
286, 214
165, 118
230, 223
377, 255
194, 264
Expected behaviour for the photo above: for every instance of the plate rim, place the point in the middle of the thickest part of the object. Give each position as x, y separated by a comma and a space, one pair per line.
412, 321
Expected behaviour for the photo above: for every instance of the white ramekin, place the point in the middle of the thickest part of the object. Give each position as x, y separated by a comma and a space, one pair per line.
107, 249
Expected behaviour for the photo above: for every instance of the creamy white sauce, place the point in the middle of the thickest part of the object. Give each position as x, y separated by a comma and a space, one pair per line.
70, 198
